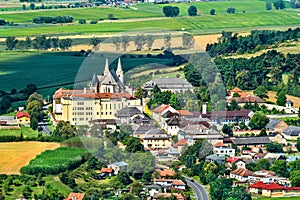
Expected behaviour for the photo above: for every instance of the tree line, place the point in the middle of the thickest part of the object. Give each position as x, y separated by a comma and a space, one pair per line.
142, 41
38, 43
58, 19
230, 43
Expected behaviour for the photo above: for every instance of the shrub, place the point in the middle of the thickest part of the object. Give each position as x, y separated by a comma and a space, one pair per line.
82, 21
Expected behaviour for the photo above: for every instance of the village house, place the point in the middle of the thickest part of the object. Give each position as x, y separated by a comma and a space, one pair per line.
127, 114
291, 132
118, 166
241, 174
171, 183
239, 163
75, 196
23, 118
140, 130
268, 190
221, 149
251, 141
275, 125
180, 145
156, 139
194, 132
178, 196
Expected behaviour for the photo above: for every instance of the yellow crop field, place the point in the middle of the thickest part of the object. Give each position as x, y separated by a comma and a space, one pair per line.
14, 155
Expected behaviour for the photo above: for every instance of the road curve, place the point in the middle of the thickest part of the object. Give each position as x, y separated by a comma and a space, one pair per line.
199, 191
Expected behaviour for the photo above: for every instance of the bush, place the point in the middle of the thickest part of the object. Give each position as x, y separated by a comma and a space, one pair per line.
93, 22
192, 11
212, 12
230, 10
82, 21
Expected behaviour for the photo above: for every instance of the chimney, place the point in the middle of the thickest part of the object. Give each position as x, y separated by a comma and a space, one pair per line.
84, 90
204, 106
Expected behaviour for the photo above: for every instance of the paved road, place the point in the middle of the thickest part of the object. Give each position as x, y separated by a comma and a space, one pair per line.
45, 126
199, 191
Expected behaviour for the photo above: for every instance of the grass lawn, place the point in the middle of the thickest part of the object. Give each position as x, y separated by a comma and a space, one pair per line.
27, 132
14, 155
199, 24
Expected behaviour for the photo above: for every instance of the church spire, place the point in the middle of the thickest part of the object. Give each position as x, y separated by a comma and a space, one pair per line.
119, 71
106, 69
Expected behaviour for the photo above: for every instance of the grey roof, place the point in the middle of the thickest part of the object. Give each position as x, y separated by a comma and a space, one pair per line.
142, 129
272, 123
169, 83
154, 186
218, 159
173, 121
128, 112
292, 130
251, 140
155, 133
120, 164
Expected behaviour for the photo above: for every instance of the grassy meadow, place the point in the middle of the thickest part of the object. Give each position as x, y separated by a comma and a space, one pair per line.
14, 155
26, 131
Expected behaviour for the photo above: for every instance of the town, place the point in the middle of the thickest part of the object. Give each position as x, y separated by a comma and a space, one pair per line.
155, 99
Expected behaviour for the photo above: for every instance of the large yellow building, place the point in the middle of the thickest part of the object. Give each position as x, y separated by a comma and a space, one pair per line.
105, 97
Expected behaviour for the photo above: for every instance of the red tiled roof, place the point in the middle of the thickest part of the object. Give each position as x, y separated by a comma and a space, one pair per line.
90, 95
244, 99
271, 186
75, 196
184, 112
232, 159
292, 188
165, 172
22, 114
161, 108
106, 170
181, 142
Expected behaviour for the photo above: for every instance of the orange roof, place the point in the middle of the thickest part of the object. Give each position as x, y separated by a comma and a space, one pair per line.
75, 196
184, 112
166, 172
181, 142
22, 114
219, 144
88, 94
106, 170
232, 159
177, 182
236, 89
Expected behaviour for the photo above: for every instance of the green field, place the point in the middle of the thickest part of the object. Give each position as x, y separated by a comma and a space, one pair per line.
55, 68
55, 161
81, 13
199, 24
249, 14
26, 131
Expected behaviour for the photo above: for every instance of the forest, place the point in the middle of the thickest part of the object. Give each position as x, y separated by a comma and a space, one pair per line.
257, 40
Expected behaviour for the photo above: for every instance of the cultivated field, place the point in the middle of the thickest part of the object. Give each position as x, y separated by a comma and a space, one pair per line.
26, 131
55, 161
249, 15
14, 155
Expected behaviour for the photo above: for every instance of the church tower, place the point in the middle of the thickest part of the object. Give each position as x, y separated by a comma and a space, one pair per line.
106, 69
119, 71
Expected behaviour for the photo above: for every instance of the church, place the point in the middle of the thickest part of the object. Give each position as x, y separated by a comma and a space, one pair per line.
105, 96
110, 81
